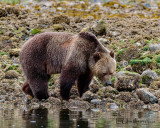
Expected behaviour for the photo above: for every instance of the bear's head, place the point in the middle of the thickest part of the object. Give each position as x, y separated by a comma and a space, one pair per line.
103, 65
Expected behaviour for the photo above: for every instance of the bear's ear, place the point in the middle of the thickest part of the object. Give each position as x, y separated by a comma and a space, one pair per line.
112, 54
97, 56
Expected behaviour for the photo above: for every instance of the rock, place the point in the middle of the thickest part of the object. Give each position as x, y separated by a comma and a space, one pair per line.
128, 68
88, 96
5, 57
126, 96
101, 92
58, 27
136, 104
141, 65
11, 74
155, 107
76, 104
123, 63
54, 101
2, 74
84, 29
148, 76
74, 92
110, 89
114, 33
56, 93
138, 44
127, 54
103, 40
107, 100
146, 96
127, 81
99, 28
14, 52
93, 88
95, 101
154, 47
157, 94
155, 85
61, 19
112, 106
147, 5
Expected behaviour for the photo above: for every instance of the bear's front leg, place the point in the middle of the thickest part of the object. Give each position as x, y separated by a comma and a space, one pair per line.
83, 82
68, 77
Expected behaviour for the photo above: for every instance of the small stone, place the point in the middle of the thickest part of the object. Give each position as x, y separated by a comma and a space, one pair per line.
112, 106
126, 96
138, 44
11, 74
127, 81
95, 101
110, 89
155, 107
148, 76
146, 96
103, 40
61, 19
93, 88
58, 27
157, 93
56, 93
155, 85
99, 28
88, 96
123, 63
84, 29
115, 33
154, 47
14, 52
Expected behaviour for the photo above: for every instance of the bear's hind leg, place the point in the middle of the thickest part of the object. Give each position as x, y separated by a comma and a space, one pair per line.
26, 89
38, 81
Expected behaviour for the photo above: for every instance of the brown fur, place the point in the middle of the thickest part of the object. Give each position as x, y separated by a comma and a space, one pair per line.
74, 56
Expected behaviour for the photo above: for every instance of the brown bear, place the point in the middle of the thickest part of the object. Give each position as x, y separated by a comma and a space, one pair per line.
76, 57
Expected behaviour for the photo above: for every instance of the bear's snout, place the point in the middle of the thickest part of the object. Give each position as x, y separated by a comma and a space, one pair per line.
108, 83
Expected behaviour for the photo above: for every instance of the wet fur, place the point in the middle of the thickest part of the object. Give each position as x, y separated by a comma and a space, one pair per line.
52, 53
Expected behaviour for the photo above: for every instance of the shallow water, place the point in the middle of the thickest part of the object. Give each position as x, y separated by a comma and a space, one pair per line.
65, 118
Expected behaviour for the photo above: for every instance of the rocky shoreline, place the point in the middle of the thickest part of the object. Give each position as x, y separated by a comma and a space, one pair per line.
135, 39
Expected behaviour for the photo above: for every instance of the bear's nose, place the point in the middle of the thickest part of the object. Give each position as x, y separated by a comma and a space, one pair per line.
108, 83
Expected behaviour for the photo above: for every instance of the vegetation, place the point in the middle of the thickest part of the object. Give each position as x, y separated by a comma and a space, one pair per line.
35, 31
157, 58
11, 1
145, 48
119, 53
142, 62
3, 53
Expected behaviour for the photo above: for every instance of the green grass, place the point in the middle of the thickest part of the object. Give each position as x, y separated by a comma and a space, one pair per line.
3, 53
157, 71
113, 79
142, 62
145, 48
157, 58
119, 53
35, 31
10, 1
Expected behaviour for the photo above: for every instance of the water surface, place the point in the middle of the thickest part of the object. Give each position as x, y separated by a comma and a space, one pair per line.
65, 118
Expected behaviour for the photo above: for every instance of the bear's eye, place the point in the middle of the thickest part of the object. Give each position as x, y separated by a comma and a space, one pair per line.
104, 74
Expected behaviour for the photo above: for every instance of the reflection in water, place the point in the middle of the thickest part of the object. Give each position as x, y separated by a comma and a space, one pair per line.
72, 119
36, 118
65, 118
